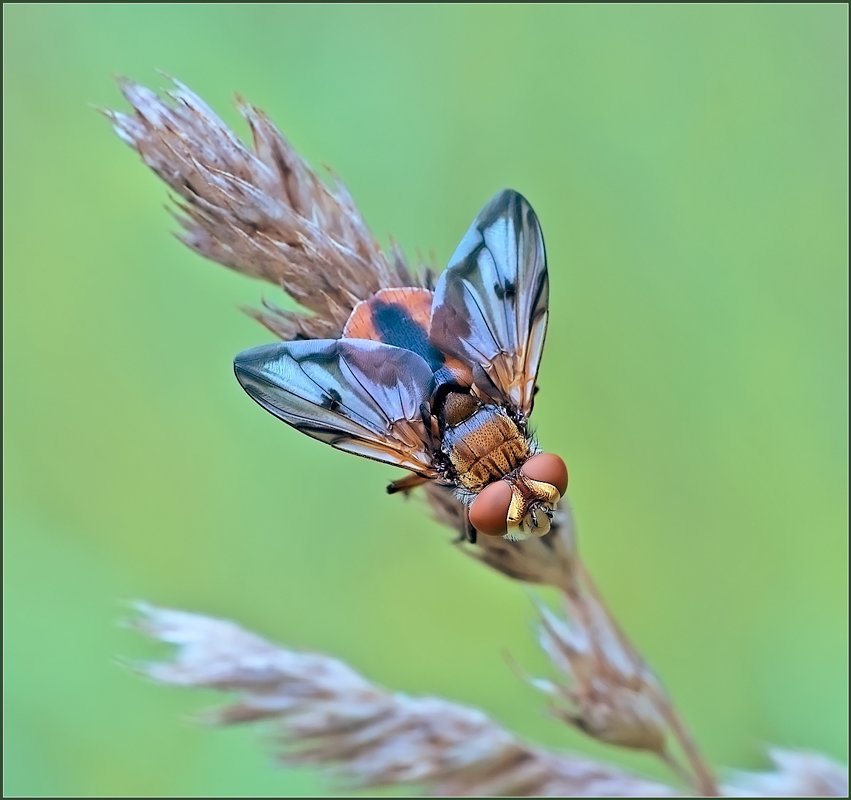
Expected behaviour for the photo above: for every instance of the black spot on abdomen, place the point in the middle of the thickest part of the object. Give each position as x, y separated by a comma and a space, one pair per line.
395, 326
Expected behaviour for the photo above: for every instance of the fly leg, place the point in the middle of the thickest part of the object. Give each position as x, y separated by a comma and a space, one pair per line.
469, 533
431, 427
406, 484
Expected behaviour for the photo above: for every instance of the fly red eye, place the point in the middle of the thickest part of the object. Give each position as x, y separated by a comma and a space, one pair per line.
489, 510
548, 468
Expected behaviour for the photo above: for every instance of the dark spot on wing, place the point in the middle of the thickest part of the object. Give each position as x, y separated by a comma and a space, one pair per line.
331, 400
506, 291
395, 326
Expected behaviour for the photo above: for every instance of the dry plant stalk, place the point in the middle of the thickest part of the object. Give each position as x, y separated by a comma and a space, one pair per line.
265, 213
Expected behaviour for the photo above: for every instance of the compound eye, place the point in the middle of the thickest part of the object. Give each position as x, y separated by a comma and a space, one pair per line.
547, 468
489, 510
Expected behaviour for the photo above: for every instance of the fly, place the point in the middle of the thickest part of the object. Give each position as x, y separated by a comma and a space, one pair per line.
440, 383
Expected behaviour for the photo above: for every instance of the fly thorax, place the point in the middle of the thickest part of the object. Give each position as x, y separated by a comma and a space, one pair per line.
485, 447
457, 407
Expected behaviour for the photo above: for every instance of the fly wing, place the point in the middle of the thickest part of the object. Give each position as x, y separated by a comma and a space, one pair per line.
357, 395
490, 304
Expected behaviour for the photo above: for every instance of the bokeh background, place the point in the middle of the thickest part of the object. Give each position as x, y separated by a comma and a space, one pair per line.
689, 166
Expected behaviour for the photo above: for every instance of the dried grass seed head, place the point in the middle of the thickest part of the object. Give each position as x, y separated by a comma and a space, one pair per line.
260, 211
329, 715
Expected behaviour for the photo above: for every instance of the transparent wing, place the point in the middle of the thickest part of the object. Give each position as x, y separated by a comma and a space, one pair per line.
490, 304
360, 396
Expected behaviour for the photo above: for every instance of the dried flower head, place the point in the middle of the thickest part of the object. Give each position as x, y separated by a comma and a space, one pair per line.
326, 714
260, 211
606, 693
796, 774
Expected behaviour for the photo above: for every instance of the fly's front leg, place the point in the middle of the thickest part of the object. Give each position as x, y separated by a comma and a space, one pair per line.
406, 484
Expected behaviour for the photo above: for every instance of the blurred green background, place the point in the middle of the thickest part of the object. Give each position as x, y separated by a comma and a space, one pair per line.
689, 166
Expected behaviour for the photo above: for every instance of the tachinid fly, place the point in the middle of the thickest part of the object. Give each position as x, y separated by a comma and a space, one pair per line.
440, 383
